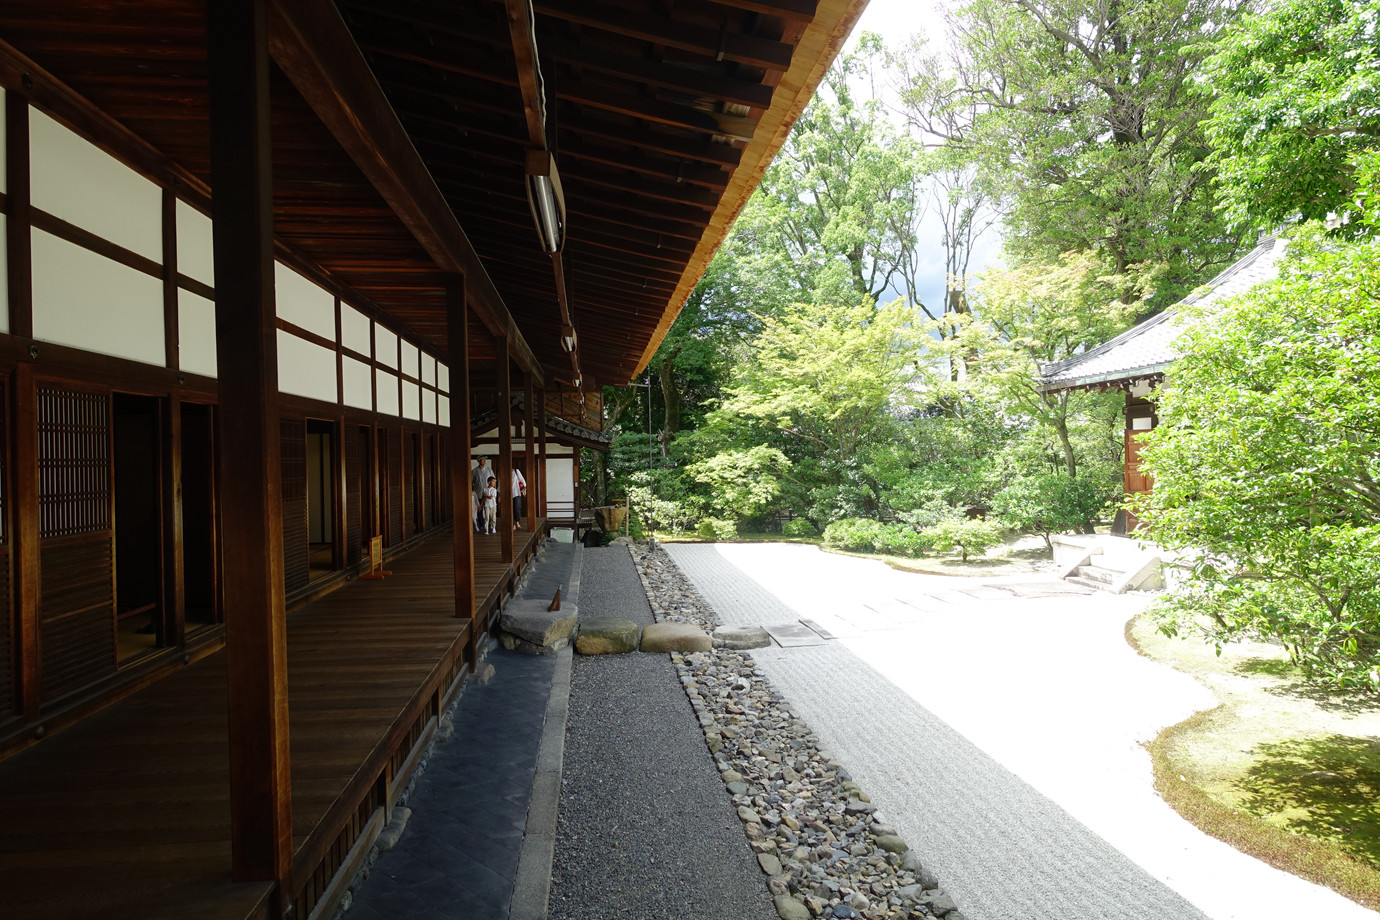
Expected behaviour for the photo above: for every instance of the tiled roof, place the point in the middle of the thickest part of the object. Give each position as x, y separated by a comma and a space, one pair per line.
1144, 351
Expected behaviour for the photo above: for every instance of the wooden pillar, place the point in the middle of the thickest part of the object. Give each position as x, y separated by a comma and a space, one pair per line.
249, 487
462, 520
174, 612
505, 448
529, 451
25, 516
541, 453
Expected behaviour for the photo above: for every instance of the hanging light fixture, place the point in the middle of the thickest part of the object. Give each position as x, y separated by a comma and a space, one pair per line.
546, 199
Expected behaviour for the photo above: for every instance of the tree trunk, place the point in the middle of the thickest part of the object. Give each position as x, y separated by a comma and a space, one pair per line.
670, 396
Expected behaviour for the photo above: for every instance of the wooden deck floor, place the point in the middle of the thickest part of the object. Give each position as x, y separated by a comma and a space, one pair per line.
126, 814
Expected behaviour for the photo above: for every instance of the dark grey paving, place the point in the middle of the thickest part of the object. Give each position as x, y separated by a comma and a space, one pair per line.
646, 829
459, 854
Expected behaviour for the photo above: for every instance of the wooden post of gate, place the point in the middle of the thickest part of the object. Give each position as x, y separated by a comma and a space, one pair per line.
376, 569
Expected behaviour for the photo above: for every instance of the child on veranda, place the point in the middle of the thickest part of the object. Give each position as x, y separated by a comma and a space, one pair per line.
491, 506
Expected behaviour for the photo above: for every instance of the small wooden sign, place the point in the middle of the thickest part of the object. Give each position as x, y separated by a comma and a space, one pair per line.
376, 569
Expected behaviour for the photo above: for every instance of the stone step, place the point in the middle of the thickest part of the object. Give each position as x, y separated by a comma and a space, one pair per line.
1098, 573
1088, 583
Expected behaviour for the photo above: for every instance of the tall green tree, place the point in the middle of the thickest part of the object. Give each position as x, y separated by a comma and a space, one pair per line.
1041, 312
836, 214
1295, 97
1082, 118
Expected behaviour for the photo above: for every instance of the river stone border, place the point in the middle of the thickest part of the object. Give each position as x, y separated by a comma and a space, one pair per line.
825, 849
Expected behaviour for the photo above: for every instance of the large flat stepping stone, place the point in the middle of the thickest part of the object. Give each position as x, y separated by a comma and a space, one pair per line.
675, 637
741, 637
527, 626
794, 635
607, 636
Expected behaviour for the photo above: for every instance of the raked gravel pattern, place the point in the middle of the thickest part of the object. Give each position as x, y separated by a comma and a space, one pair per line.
824, 848
1002, 849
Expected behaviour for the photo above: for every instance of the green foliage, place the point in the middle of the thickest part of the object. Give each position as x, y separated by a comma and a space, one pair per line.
1080, 117
1048, 503
857, 534
964, 536
717, 529
1295, 98
1267, 463
1037, 313
827, 376
799, 527
742, 483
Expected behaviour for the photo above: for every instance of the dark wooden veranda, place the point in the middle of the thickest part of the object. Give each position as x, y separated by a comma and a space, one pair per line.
127, 814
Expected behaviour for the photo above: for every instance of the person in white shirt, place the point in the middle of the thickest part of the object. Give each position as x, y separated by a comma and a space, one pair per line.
519, 497
479, 481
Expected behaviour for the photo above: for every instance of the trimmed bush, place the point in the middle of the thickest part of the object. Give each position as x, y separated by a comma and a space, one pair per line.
964, 537
856, 534
714, 529
799, 527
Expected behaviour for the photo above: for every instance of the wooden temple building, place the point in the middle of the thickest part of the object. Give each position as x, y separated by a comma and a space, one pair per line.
273, 270
1134, 362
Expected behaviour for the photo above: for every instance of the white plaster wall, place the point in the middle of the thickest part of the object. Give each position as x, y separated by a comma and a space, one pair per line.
196, 251
442, 377
443, 411
385, 347
359, 390
429, 406
411, 401
77, 181
87, 301
196, 334
428, 369
302, 303
410, 366
560, 484
387, 391
354, 329
305, 368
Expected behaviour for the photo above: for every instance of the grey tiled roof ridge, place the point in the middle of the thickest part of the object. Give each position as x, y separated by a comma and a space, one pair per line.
1056, 376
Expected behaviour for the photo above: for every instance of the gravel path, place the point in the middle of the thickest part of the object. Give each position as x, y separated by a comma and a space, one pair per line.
646, 830
995, 733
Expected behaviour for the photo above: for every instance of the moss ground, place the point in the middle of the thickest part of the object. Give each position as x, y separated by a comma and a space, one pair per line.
1282, 770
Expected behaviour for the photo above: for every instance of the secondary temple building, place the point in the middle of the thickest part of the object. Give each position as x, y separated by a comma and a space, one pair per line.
274, 270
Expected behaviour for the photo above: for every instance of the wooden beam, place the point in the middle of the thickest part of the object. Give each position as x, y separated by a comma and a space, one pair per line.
505, 447
249, 470
553, 47
662, 30
18, 233
529, 453
313, 46
28, 586
522, 35
461, 488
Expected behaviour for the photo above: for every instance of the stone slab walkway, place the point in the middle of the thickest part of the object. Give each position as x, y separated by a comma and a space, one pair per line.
1001, 737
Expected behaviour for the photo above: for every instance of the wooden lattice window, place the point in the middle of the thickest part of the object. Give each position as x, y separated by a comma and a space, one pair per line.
73, 462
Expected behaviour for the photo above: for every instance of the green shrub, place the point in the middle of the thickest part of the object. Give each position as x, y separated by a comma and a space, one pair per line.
799, 527
856, 534
964, 536
901, 540
714, 529
1047, 503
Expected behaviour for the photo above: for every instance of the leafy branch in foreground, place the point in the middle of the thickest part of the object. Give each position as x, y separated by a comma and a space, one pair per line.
1266, 459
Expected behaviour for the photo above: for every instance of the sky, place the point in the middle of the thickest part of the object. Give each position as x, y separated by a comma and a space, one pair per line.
895, 21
